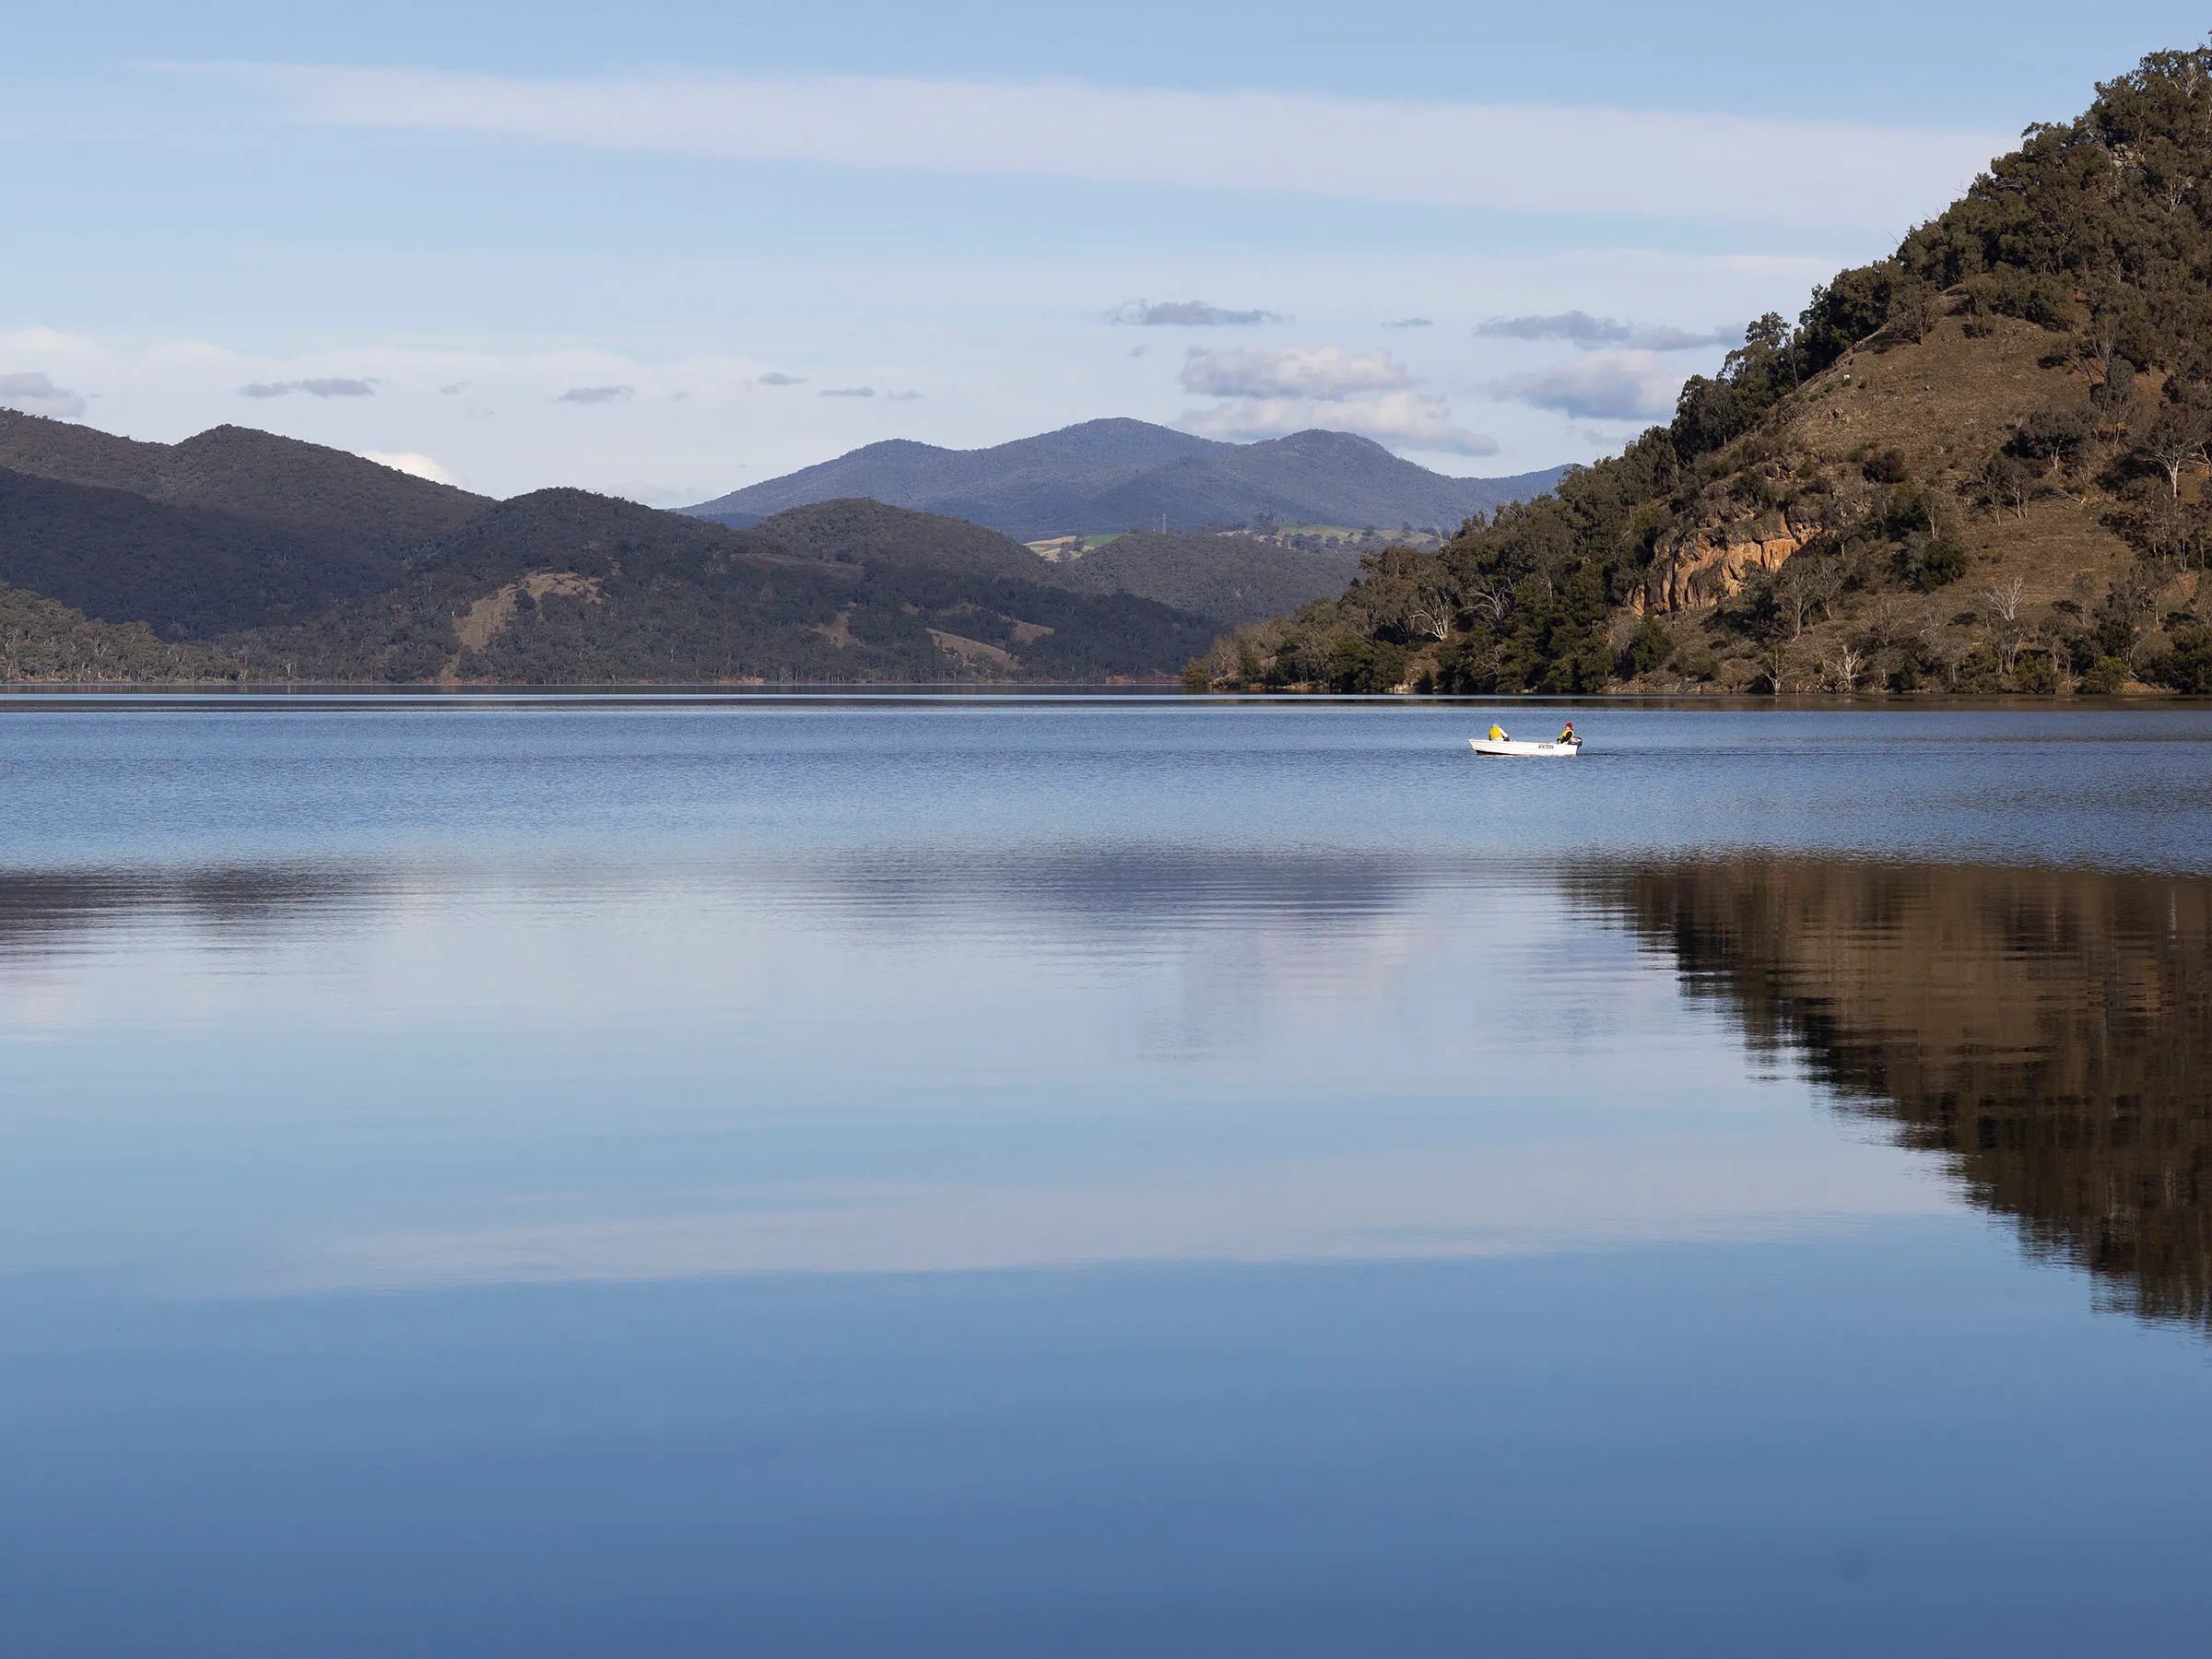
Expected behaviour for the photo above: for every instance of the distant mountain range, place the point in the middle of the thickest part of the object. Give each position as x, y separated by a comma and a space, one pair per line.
1107, 475
238, 553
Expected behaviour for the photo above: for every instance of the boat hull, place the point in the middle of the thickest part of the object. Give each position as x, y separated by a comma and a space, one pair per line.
1511, 749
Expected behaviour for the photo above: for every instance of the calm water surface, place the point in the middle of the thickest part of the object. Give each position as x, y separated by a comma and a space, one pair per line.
988, 1178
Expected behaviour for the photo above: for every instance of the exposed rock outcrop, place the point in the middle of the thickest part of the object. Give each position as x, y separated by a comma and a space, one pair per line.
1703, 566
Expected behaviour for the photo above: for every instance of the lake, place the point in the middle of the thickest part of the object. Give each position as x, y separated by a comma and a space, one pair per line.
979, 1177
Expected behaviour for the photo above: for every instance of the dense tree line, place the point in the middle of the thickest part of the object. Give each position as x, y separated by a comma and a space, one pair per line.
43, 641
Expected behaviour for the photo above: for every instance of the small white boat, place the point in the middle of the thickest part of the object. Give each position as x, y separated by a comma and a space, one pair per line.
1506, 746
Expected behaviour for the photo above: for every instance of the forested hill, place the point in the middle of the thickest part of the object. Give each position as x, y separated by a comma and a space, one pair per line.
1107, 475
563, 586
240, 554
331, 501
1975, 465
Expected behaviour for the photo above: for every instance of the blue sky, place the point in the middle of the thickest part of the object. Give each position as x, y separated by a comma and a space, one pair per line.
668, 250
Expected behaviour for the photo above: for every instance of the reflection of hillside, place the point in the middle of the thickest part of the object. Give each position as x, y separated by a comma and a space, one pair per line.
2048, 1033
44, 909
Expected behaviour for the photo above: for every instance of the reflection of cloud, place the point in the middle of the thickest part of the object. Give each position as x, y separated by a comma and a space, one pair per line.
1523, 1198
35, 394
328, 386
1324, 371
1187, 313
1605, 385
413, 465
1593, 334
846, 392
776, 377
1402, 419
593, 394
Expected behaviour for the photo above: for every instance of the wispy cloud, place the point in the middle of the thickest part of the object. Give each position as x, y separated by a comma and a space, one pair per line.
1187, 313
846, 392
1595, 334
1328, 372
328, 387
1410, 322
1400, 420
776, 377
1636, 163
902, 397
36, 394
1603, 386
594, 395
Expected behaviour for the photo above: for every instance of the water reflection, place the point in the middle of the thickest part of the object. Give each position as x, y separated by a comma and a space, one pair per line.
2047, 1034
1141, 1054
43, 910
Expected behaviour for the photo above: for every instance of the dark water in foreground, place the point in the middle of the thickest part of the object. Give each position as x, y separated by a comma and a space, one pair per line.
1076, 1180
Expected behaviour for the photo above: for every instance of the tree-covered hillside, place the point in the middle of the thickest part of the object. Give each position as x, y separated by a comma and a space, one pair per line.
1976, 464
43, 641
563, 586
1231, 578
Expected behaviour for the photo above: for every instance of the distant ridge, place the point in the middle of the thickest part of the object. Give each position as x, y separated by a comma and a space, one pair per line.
1106, 475
327, 497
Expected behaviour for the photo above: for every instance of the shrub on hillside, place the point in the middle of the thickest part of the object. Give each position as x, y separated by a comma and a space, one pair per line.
2187, 667
2106, 676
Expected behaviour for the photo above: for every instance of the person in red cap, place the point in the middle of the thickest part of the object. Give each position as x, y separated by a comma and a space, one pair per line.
1567, 736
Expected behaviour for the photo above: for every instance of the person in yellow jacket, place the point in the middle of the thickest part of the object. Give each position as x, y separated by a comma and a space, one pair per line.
1497, 733
1567, 736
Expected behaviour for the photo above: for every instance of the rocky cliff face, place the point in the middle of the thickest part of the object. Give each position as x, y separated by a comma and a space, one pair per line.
1702, 565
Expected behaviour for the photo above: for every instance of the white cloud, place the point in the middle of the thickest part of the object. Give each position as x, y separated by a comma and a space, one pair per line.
413, 465
1637, 163
1398, 419
846, 392
776, 377
36, 394
1330, 373
594, 395
1604, 385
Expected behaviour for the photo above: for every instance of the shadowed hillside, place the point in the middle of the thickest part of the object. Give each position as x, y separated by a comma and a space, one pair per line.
1230, 579
565, 586
324, 496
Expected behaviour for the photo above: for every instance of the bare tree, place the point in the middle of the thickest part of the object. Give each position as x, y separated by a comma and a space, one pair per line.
1430, 607
2175, 438
2008, 484
1844, 668
1889, 619
1492, 601
2002, 600
1774, 667
1804, 587
1938, 645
